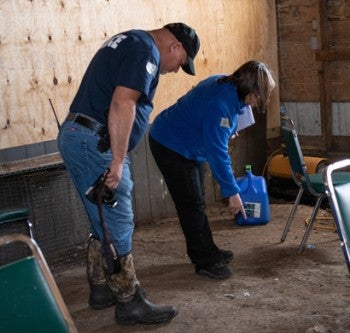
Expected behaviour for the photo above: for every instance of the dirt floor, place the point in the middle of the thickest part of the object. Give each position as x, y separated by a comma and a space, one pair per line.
272, 288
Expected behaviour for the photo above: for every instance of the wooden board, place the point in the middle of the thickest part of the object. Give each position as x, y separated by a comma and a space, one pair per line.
314, 57
45, 47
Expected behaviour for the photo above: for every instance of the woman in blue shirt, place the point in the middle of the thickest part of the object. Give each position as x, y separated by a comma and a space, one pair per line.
197, 129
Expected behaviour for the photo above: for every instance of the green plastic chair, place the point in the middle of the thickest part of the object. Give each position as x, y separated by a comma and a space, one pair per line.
312, 183
14, 215
339, 198
30, 298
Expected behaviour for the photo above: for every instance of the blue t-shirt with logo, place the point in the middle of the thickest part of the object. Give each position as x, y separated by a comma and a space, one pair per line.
129, 59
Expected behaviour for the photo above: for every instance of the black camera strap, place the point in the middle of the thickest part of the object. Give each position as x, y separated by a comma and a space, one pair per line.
109, 251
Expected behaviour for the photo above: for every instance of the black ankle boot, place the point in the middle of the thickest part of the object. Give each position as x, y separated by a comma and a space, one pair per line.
101, 297
226, 255
141, 311
217, 271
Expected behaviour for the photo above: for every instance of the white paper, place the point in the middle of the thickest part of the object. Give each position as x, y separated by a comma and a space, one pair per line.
245, 119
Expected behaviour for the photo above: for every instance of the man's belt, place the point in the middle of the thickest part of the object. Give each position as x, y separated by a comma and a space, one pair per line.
89, 123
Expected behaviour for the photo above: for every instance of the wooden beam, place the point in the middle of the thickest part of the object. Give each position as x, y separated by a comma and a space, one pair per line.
334, 54
31, 164
325, 81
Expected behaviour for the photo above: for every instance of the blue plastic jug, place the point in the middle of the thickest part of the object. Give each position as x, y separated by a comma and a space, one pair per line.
255, 199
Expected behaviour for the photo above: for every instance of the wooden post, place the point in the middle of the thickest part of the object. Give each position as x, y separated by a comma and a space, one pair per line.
325, 83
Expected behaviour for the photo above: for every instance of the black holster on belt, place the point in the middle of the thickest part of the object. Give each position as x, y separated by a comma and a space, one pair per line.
104, 143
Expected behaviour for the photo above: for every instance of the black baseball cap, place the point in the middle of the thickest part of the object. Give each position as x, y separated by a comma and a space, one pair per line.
190, 41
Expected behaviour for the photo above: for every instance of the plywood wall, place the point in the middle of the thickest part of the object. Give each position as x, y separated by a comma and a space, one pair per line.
45, 47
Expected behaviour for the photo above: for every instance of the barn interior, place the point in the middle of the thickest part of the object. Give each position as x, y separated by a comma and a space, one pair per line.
45, 47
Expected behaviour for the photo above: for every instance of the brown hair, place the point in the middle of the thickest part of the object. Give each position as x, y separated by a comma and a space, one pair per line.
252, 77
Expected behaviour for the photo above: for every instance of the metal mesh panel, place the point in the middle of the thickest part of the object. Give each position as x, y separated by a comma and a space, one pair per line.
59, 221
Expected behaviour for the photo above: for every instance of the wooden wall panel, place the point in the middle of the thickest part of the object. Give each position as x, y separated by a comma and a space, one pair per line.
45, 47
340, 32
299, 39
296, 20
340, 81
314, 58
152, 200
339, 37
298, 30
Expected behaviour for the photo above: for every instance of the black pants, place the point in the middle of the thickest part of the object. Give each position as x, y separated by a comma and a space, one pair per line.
184, 179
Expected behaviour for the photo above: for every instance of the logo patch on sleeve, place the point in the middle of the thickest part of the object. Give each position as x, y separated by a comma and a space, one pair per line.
225, 122
151, 68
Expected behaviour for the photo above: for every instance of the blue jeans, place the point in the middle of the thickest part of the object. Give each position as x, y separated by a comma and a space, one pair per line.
184, 179
84, 163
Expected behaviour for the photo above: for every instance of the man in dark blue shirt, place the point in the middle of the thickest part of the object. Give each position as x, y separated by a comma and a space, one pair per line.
108, 117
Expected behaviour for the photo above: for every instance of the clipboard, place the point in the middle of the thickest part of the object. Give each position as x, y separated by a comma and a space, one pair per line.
246, 118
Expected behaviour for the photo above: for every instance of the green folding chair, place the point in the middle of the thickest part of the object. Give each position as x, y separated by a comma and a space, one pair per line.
312, 183
30, 299
339, 198
17, 215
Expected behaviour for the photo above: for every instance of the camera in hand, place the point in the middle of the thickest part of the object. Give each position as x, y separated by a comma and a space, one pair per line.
107, 195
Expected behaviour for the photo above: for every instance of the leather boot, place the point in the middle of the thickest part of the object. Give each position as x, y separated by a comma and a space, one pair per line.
140, 311
131, 305
101, 296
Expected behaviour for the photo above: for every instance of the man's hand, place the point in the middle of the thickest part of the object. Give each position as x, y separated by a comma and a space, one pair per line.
114, 175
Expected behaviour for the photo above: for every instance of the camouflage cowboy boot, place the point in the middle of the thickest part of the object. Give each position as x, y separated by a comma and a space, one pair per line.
131, 305
101, 296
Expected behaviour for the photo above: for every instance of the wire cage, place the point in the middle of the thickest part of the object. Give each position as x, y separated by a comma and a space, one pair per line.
59, 220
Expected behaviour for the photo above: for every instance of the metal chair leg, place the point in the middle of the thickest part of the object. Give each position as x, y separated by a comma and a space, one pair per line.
291, 215
30, 228
310, 224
